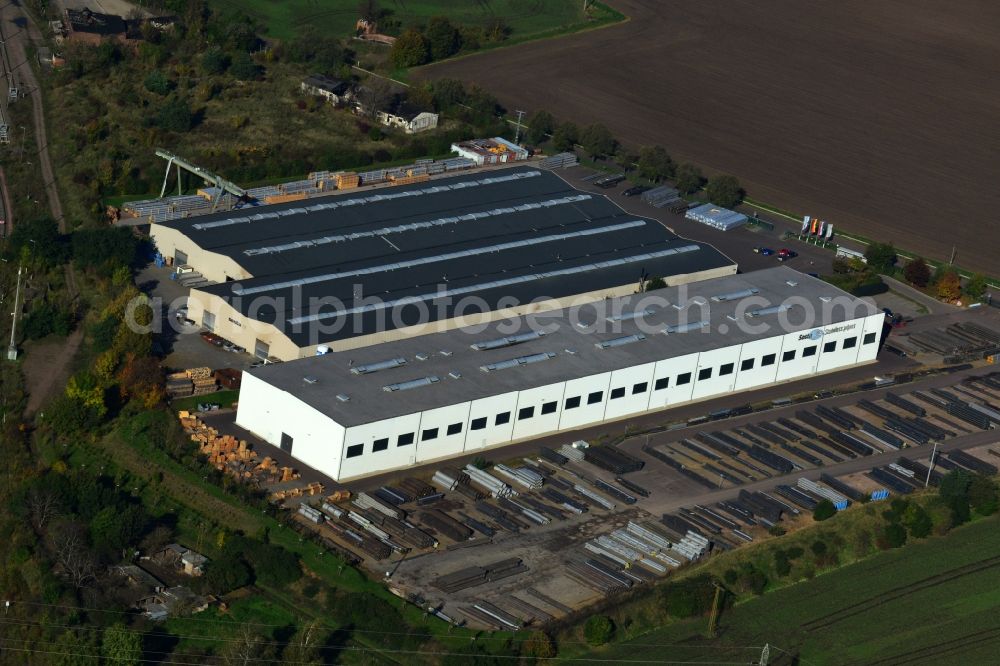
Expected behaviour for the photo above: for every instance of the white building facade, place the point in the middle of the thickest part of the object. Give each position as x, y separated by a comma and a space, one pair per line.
438, 431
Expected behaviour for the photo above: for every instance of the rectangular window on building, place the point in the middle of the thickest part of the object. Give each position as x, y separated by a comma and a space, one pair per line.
683, 378
286, 442
429, 434
454, 428
640, 387
595, 397
746, 364
572, 403
405, 439
525, 413
788, 356
809, 351
869, 338
261, 350
502, 418
704, 373
850, 343
208, 320
180, 258
618, 393
355, 450
726, 369
550, 407
478, 424
768, 359
829, 346
380, 445
661, 383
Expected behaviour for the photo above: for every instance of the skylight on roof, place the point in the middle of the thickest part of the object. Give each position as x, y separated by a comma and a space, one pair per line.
517, 362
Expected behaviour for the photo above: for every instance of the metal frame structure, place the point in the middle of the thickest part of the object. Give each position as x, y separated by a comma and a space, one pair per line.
221, 184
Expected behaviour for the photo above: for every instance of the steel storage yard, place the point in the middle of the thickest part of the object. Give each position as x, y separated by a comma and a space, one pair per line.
384, 407
291, 277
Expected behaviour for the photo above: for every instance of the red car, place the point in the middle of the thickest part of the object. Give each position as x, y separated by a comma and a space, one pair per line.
785, 254
212, 339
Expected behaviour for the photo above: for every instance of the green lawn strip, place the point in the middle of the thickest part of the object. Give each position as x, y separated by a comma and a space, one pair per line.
282, 20
213, 629
223, 398
893, 620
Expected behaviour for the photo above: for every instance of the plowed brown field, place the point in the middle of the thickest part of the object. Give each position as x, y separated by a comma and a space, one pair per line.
881, 117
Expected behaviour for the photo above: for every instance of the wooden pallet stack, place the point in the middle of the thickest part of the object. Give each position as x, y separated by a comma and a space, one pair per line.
179, 385
202, 380
347, 181
312, 489
222, 451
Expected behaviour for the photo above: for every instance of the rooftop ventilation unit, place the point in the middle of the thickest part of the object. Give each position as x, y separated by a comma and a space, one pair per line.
412, 384
697, 300
509, 341
517, 362
735, 295
626, 316
791, 283
308, 379
774, 309
343, 397
618, 342
421, 356
369, 368
455, 374
684, 328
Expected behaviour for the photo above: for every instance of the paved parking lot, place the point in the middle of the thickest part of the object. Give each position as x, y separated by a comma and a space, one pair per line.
181, 344
737, 244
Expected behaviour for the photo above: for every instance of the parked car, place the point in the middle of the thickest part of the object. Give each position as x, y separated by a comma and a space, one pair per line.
634, 190
766, 251
610, 181
784, 254
213, 339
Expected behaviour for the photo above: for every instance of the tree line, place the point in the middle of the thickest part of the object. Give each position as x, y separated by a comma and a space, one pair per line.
652, 163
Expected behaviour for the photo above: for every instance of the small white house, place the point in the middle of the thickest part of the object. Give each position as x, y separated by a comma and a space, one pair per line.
335, 91
410, 122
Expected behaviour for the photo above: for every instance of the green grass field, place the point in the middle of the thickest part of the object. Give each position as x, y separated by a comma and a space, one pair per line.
525, 17
221, 398
932, 601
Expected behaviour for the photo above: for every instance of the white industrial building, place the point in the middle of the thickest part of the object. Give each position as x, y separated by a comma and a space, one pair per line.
390, 406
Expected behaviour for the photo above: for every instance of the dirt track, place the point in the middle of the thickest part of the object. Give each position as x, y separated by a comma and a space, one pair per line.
879, 117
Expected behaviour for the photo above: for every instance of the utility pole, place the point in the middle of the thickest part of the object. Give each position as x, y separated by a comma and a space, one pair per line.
12, 349
517, 135
713, 622
951, 262
930, 465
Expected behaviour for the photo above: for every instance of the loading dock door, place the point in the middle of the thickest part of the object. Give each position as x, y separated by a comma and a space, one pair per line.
261, 350
208, 320
180, 258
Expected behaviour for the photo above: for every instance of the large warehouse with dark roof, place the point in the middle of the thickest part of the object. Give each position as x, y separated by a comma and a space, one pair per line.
351, 270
